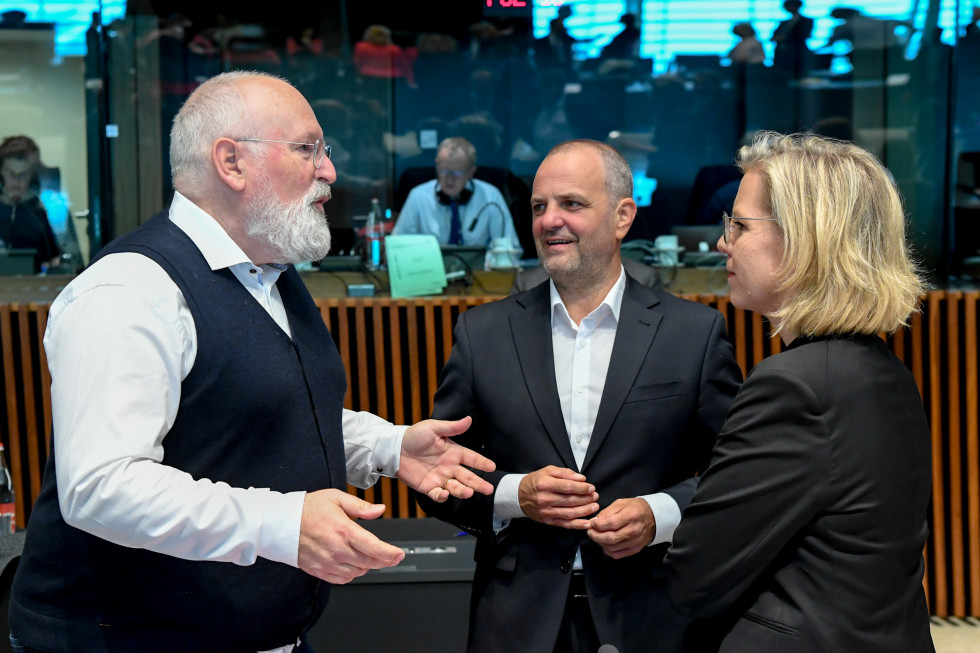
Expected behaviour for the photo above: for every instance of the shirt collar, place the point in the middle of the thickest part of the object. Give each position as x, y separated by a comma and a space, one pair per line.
218, 248
612, 302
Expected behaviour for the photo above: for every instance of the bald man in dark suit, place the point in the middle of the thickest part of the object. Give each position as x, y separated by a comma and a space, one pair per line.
599, 398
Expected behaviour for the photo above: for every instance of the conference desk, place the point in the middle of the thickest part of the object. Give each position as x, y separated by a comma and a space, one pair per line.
490, 283
43, 289
393, 350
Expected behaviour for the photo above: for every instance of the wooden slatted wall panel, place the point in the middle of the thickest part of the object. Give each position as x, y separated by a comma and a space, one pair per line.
383, 490
414, 365
11, 434
27, 390
940, 604
392, 352
390, 492
972, 384
954, 485
42, 324
951, 359
25, 416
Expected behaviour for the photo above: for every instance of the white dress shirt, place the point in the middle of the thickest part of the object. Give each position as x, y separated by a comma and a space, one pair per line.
582, 354
120, 340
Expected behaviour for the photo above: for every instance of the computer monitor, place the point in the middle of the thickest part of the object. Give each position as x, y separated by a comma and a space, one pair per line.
690, 238
692, 62
344, 263
456, 257
17, 261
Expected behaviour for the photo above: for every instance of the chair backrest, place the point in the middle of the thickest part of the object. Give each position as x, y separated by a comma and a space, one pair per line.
708, 180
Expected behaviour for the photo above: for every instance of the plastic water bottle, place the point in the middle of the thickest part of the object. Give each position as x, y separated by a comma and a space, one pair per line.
8, 521
374, 237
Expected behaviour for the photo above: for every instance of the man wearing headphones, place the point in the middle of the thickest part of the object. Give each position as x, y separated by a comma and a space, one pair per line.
454, 207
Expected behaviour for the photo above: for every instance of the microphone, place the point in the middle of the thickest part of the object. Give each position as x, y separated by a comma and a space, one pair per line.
607, 648
476, 218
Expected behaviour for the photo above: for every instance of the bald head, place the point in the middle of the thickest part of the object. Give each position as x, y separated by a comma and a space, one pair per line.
618, 176
229, 105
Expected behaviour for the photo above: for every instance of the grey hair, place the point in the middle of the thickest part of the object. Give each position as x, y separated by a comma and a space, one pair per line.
216, 109
458, 144
619, 177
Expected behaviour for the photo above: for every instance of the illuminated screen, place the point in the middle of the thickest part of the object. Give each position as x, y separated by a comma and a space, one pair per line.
71, 19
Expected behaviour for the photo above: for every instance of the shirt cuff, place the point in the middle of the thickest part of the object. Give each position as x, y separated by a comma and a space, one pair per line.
372, 447
387, 458
506, 502
282, 515
668, 516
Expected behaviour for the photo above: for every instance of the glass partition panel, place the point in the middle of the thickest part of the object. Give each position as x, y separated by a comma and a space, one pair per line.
676, 85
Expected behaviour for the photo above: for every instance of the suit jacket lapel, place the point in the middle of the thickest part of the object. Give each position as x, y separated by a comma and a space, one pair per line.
638, 323
531, 330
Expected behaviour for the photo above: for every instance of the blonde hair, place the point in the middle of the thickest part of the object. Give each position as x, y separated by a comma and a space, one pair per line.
377, 34
846, 267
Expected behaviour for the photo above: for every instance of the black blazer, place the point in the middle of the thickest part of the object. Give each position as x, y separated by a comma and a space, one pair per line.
671, 380
806, 532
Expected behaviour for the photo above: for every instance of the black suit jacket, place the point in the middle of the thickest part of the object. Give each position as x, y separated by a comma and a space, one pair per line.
671, 380
807, 530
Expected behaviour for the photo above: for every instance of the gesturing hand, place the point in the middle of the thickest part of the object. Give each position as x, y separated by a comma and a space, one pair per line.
332, 546
433, 464
558, 496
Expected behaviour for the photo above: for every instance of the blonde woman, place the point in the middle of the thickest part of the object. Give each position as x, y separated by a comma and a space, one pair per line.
807, 529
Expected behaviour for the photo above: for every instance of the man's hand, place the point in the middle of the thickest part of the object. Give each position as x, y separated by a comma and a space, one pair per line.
334, 548
558, 496
624, 528
433, 464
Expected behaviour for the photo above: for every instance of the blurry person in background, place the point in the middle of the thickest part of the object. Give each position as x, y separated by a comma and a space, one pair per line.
790, 36
748, 49
23, 219
807, 529
454, 207
377, 56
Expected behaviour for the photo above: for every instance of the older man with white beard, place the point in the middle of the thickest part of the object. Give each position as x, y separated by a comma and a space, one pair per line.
194, 499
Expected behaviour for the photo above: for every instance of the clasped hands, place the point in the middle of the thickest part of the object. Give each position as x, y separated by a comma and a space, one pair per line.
334, 548
562, 497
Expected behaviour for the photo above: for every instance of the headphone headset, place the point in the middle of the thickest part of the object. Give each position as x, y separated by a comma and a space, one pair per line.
465, 195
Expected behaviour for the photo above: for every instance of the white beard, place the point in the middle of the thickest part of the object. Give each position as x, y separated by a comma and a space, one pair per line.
298, 232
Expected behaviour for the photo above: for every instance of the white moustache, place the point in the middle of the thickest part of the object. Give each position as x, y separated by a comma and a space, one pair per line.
320, 189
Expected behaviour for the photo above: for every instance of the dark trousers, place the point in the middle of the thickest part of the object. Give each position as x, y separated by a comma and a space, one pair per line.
577, 632
17, 647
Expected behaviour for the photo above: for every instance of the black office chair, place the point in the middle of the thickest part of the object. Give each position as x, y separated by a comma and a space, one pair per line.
709, 180
966, 214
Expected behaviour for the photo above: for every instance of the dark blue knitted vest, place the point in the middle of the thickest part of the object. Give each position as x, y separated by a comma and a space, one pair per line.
257, 410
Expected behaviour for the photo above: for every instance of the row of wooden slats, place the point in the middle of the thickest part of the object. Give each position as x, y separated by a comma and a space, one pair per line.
393, 349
